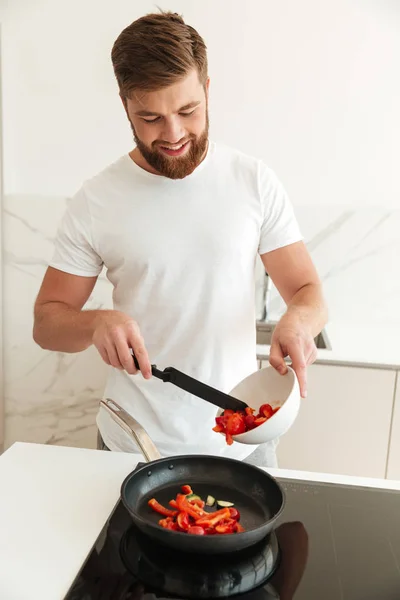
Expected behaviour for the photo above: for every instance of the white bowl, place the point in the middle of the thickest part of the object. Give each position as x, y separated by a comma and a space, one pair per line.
267, 386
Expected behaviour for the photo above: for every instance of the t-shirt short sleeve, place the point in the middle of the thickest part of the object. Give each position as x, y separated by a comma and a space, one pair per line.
74, 250
279, 226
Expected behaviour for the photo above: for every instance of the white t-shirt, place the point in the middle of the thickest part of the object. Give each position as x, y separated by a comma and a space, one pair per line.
180, 255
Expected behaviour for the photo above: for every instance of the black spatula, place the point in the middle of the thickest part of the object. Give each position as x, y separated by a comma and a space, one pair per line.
195, 387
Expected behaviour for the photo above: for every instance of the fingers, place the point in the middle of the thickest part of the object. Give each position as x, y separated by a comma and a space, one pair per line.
140, 352
312, 354
123, 350
113, 356
115, 342
299, 345
103, 353
277, 358
299, 365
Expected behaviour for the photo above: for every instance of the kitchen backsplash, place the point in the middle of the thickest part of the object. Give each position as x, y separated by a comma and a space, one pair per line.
53, 397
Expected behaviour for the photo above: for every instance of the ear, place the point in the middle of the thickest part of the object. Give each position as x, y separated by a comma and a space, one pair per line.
207, 87
124, 102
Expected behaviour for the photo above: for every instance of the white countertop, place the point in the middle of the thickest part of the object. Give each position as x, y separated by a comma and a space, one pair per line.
54, 502
376, 346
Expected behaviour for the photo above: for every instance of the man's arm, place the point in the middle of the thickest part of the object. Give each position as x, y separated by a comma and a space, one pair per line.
60, 323
295, 277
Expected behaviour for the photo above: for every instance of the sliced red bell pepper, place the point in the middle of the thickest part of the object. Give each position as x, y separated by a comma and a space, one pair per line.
235, 424
186, 489
223, 418
249, 421
173, 503
234, 513
227, 412
183, 521
185, 506
221, 421
166, 522
196, 530
266, 410
197, 508
212, 519
166, 512
239, 528
218, 429
260, 421
229, 439
197, 502
227, 526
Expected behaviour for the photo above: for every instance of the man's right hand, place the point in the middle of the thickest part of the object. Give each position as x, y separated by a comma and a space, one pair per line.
114, 336
61, 324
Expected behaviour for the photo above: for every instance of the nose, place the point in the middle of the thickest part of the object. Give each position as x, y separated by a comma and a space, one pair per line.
172, 132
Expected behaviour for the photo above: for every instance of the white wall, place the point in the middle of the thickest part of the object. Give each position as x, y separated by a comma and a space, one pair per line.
1, 281
311, 86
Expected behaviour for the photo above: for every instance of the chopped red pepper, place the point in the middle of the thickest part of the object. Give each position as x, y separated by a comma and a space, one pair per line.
266, 410
186, 489
227, 526
161, 509
231, 423
191, 516
234, 513
218, 429
196, 530
235, 424
212, 519
183, 521
185, 506
228, 412
168, 523
197, 502
249, 421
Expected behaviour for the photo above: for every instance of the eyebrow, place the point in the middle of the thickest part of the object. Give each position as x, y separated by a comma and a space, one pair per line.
147, 113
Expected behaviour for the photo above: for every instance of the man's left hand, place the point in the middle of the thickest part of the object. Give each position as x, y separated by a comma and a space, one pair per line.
294, 339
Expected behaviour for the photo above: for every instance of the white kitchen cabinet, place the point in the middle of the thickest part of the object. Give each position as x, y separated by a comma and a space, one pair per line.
393, 469
344, 423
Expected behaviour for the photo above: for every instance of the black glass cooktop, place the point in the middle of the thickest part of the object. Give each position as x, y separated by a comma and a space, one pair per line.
333, 542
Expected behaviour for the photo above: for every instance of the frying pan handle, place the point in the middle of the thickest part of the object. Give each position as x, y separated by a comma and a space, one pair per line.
132, 428
195, 387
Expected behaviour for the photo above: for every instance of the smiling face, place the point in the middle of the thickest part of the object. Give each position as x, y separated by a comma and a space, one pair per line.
170, 126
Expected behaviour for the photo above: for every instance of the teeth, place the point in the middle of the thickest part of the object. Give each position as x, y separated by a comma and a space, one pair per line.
173, 147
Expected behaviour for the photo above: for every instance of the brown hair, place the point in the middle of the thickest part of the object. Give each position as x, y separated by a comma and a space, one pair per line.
155, 51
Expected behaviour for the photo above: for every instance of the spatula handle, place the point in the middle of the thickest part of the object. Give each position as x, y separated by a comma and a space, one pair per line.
195, 387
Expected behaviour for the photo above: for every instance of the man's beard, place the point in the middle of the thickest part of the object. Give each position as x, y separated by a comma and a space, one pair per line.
175, 167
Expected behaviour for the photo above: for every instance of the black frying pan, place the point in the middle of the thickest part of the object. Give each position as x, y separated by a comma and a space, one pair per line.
257, 495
